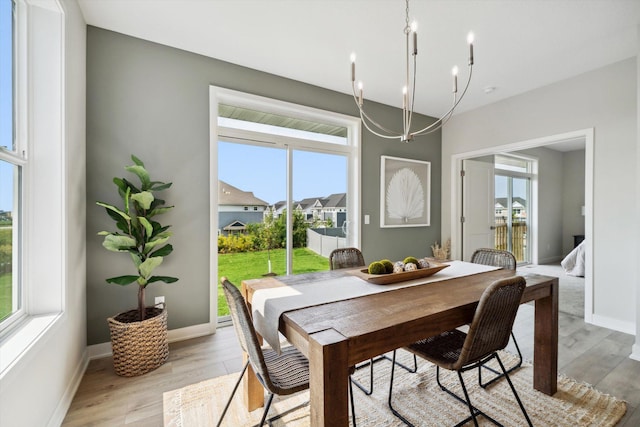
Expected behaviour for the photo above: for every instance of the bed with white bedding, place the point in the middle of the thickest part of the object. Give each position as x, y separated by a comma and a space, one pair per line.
574, 264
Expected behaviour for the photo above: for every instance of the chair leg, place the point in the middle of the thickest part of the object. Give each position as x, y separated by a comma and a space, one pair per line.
405, 367
353, 406
515, 393
266, 409
393, 411
465, 401
226, 407
466, 395
500, 374
359, 385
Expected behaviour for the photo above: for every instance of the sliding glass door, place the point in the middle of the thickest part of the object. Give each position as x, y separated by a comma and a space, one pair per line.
512, 213
285, 188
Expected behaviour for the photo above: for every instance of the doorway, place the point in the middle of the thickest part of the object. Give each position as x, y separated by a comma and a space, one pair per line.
583, 139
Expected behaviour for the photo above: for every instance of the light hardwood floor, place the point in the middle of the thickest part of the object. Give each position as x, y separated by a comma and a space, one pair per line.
587, 353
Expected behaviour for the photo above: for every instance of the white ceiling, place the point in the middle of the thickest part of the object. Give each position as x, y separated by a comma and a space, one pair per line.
520, 44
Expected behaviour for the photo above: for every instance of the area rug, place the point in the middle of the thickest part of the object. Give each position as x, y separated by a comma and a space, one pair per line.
416, 396
571, 296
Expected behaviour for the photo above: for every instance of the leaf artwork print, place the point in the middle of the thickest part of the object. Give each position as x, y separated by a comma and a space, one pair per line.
405, 196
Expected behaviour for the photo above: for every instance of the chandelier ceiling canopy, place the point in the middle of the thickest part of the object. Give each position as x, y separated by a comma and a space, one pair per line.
408, 90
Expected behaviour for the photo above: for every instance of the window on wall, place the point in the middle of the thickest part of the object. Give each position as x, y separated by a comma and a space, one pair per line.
11, 165
297, 166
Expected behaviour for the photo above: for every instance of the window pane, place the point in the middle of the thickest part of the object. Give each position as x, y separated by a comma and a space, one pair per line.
251, 242
6, 74
9, 295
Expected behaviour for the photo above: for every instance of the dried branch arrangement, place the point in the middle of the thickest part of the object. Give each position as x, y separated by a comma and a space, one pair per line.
441, 252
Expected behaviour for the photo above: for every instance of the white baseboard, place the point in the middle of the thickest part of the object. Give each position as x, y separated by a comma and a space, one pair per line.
615, 324
65, 402
635, 352
97, 351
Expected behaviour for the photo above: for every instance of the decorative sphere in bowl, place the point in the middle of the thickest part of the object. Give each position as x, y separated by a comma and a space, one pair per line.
410, 267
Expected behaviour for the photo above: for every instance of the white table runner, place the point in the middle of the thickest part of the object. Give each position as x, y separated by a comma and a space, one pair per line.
269, 304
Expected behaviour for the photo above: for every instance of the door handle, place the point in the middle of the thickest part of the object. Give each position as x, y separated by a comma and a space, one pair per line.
493, 227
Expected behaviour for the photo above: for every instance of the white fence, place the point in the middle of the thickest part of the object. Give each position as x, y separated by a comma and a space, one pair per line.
323, 244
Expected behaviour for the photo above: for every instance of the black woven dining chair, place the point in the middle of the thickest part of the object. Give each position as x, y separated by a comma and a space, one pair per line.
282, 374
348, 258
507, 261
488, 333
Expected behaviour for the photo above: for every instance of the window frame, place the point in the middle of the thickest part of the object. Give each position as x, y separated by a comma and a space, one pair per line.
352, 151
39, 129
16, 156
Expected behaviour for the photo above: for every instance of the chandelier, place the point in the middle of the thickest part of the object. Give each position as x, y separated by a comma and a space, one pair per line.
408, 91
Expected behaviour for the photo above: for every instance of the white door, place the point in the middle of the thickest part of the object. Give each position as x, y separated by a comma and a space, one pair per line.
478, 211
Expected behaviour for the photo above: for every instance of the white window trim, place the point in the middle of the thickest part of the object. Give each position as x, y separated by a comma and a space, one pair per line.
40, 122
218, 96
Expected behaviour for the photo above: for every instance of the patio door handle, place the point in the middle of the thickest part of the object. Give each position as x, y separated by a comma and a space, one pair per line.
493, 227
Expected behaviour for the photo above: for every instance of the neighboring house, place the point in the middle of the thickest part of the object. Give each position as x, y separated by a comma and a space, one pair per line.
237, 208
519, 208
333, 207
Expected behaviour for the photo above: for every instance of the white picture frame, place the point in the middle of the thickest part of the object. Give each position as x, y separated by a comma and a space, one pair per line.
405, 192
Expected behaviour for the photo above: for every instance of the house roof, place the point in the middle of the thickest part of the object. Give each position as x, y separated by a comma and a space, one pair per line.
502, 201
228, 195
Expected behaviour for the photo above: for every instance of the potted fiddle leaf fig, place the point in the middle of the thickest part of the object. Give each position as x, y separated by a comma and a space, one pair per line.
139, 336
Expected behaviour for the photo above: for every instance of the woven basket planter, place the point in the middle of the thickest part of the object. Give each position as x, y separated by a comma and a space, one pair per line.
139, 347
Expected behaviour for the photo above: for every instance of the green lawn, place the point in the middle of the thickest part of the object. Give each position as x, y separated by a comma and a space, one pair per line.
5, 295
251, 265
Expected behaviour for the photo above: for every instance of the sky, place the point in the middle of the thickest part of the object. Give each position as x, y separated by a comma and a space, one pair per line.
262, 170
519, 187
6, 101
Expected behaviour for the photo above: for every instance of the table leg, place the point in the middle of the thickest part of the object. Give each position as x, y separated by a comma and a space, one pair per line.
253, 390
545, 352
328, 379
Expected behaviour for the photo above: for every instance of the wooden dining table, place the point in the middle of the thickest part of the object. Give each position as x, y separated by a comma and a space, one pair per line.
337, 335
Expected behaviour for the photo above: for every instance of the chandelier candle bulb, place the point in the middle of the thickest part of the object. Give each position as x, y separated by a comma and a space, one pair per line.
415, 42
360, 99
353, 67
470, 41
454, 72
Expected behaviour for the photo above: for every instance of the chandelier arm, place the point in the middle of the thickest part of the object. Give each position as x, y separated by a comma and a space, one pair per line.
366, 125
440, 122
364, 115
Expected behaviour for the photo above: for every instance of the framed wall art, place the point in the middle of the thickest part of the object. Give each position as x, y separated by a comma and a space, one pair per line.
405, 192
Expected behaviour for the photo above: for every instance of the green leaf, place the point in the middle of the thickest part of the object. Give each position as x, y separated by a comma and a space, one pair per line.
144, 199
147, 226
161, 239
163, 251
117, 243
148, 266
129, 184
127, 196
159, 186
135, 257
122, 280
165, 279
120, 183
114, 209
142, 173
137, 161
159, 211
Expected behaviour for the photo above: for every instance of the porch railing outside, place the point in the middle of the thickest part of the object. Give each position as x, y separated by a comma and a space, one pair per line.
518, 237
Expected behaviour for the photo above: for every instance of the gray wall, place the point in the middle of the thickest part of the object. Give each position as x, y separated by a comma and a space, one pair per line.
573, 197
153, 101
603, 99
550, 203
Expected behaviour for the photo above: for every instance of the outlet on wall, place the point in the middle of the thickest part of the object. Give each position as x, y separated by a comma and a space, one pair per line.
159, 300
